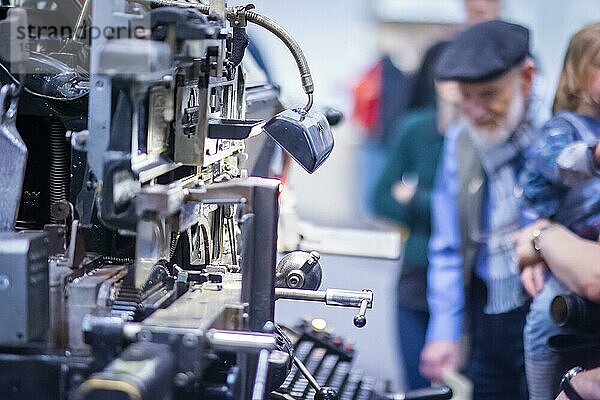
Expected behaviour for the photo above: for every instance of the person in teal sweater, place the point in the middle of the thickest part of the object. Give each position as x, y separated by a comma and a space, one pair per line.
402, 194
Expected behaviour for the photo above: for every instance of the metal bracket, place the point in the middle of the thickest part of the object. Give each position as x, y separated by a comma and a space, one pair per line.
237, 15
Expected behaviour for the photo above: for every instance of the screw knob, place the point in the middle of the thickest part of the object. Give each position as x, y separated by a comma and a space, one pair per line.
326, 393
360, 321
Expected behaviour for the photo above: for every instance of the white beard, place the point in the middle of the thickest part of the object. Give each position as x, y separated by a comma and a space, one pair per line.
487, 139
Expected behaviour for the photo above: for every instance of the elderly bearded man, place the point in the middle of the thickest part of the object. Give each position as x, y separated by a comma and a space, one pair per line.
473, 279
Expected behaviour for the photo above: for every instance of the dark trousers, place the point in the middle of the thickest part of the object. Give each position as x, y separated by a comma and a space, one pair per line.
496, 364
412, 326
412, 320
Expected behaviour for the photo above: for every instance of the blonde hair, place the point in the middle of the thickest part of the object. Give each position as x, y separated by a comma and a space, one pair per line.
583, 51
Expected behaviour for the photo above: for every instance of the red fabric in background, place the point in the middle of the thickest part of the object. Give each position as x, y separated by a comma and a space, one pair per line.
367, 99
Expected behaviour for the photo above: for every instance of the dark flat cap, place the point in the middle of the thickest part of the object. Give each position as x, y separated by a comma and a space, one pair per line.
483, 52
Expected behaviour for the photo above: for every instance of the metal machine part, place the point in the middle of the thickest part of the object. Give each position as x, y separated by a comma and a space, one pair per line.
333, 297
143, 371
439, 393
14, 160
84, 294
310, 141
322, 392
305, 136
299, 270
59, 165
238, 16
23, 288
324, 369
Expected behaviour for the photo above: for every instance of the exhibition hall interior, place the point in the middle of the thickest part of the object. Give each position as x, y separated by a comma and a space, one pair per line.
289, 200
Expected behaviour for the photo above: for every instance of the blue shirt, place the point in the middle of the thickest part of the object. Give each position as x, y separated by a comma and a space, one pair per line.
561, 180
445, 276
445, 286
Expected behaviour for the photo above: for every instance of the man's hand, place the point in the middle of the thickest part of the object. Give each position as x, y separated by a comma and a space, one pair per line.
402, 192
438, 357
562, 396
533, 279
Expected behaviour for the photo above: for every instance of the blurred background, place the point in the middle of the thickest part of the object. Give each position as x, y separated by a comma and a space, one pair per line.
344, 40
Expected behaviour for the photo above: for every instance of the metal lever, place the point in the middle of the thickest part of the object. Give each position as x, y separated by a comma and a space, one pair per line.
333, 297
360, 319
242, 342
433, 393
322, 393
219, 340
262, 373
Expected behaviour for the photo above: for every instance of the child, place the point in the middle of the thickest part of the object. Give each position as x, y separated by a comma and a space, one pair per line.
562, 183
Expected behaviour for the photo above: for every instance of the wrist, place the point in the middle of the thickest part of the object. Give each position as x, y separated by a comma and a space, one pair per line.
536, 241
540, 238
567, 384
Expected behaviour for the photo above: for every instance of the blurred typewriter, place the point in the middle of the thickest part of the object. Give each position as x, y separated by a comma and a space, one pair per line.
137, 257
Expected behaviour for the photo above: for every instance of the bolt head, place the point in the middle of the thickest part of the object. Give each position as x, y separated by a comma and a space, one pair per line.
181, 379
189, 340
4, 282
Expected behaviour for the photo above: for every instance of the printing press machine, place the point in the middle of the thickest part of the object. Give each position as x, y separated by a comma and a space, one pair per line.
138, 258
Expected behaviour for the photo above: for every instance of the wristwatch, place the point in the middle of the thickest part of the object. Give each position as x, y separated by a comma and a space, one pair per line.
565, 384
535, 235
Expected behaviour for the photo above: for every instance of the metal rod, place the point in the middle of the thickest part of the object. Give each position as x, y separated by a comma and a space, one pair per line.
83, 16
363, 307
298, 294
331, 297
311, 379
131, 330
246, 342
262, 373
395, 396
202, 195
225, 202
349, 298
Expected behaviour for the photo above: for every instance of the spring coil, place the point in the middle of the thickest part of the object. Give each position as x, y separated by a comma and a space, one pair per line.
117, 260
59, 164
173, 246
